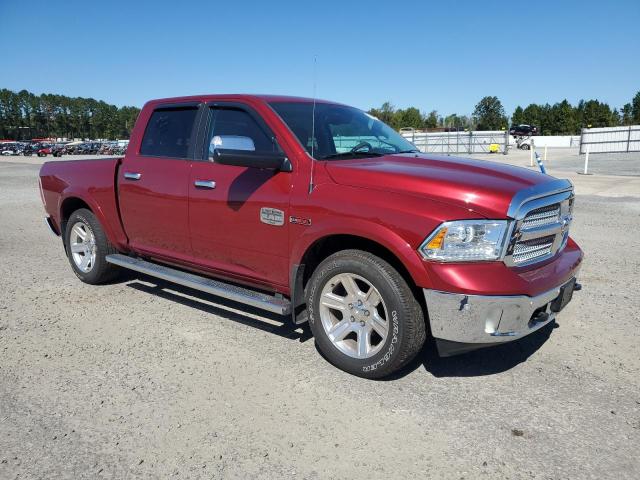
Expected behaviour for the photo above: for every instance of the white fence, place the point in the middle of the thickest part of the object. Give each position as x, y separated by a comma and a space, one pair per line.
457, 142
610, 139
560, 141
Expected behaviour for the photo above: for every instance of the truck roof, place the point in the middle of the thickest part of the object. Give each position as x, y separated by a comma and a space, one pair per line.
238, 96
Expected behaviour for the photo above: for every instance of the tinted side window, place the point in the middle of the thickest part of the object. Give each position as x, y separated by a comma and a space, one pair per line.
235, 129
168, 132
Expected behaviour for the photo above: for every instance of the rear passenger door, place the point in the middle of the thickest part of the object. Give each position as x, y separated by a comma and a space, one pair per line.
239, 216
153, 184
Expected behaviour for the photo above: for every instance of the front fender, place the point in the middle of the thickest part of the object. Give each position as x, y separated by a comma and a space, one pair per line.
375, 232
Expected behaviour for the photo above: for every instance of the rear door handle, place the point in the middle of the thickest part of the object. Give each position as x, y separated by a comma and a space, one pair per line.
132, 176
205, 184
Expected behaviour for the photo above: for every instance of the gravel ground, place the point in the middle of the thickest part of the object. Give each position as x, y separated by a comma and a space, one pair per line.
145, 379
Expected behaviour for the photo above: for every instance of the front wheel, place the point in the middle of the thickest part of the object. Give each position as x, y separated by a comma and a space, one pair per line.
87, 246
363, 315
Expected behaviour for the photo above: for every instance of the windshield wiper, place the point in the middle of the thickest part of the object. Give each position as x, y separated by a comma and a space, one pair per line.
406, 151
351, 154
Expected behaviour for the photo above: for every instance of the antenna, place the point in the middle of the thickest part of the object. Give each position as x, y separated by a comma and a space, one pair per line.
313, 125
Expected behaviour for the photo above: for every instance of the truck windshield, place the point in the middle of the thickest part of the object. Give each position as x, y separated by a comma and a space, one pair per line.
340, 132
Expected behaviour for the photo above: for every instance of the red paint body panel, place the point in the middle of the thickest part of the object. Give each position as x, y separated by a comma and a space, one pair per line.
484, 187
155, 209
225, 227
395, 201
91, 181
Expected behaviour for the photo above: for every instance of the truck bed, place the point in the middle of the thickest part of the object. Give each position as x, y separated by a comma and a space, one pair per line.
66, 184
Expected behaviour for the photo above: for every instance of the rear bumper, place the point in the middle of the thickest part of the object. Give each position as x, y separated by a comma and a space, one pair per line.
462, 322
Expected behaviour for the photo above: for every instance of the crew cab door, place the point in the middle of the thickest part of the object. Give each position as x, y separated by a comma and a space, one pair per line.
239, 216
153, 184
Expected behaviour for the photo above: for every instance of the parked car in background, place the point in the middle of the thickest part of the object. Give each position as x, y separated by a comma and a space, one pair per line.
29, 149
44, 150
523, 130
8, 149
58, 149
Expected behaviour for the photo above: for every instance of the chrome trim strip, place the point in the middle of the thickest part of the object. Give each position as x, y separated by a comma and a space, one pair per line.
132, 176
49, 223
238, 294
205, 184
535, 192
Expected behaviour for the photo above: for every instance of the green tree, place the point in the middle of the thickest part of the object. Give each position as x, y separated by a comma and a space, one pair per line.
561, 119
456, 121
518, 116
410, 117
24, 115
386, 113
489, 114
635, 109
432, 120
627, 115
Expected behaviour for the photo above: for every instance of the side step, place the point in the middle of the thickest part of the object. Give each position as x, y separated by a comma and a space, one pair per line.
238, 294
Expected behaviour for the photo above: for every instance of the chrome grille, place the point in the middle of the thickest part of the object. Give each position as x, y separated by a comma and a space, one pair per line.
530, 249
542, 216
541, 226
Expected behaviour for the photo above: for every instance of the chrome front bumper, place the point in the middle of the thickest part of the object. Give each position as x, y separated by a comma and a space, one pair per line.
49, 223
485, 320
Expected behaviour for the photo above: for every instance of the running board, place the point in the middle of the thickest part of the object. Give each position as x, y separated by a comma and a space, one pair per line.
238, 294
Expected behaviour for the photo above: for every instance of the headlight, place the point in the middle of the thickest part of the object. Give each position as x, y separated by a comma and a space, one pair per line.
466, 241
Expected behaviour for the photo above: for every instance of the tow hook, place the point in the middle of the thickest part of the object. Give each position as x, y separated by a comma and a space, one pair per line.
540, 317
577, 287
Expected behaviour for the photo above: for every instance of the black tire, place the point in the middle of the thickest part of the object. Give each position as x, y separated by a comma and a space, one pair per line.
525, 147
406, 324
100, 271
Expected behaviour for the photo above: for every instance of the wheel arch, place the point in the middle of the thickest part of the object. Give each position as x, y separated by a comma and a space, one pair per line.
72, 201
396, 252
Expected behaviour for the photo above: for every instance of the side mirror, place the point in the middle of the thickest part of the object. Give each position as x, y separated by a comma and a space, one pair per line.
252, 159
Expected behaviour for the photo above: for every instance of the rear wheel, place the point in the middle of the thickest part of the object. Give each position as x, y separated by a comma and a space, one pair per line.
87, 246
363, 315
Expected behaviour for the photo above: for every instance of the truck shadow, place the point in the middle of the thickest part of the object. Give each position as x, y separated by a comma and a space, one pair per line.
486, 361
221, 307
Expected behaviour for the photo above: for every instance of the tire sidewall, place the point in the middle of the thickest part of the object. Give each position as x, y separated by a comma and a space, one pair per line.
86, 217
385, 360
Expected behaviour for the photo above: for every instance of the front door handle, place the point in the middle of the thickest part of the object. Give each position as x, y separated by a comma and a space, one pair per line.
205, 184
132, 175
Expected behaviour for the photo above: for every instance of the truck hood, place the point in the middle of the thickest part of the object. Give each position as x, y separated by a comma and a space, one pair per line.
485, 187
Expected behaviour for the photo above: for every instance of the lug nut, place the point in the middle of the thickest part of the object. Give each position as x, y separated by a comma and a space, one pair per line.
353, 319
362, 324
351, 305
366, 313
359, 302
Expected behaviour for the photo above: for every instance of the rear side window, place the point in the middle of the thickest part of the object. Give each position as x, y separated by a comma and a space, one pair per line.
168, 132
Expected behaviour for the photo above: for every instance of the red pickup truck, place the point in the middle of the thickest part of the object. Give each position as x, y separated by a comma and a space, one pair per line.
320, 211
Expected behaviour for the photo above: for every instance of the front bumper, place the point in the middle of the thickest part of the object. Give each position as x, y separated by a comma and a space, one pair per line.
51, 226
462, 322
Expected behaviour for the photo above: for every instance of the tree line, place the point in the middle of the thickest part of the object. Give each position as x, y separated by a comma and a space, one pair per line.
561, 118
24, 115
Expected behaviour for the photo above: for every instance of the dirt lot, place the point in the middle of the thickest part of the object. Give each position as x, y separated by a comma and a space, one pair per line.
144, 379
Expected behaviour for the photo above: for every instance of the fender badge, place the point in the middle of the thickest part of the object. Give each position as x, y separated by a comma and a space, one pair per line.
300, 221
272, 216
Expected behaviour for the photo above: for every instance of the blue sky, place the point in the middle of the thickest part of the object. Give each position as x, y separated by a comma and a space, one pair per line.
442, 55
